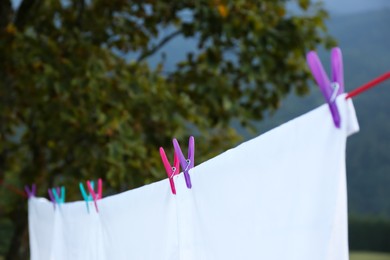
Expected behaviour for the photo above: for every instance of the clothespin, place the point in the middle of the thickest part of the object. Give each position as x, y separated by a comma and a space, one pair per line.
98, 195
330, 89
188, 163
52, 198
30, 192
171, 170
59, 195
86, 197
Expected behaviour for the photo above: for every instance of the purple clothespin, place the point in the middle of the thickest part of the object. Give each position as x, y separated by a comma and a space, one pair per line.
30, 192
188, 163
330, 90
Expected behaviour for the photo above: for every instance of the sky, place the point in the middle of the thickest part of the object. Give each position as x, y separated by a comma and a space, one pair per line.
335, 6
355, 6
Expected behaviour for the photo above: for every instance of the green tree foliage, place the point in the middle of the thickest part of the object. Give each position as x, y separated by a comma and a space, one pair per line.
73, 108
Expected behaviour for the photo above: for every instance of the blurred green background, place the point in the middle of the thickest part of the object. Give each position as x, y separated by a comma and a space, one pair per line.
91, 89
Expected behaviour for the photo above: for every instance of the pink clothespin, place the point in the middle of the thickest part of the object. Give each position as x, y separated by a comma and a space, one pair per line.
186, 164
330, 89
98, 195
171, 170
30, 192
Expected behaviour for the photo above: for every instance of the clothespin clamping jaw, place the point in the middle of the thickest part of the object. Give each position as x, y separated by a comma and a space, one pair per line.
186, 164
329, 89
98, 195
51, 196
57, 195
30, 192
171, 170
86, 197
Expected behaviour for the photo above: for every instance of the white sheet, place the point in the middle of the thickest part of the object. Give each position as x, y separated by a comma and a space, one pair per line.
281, 195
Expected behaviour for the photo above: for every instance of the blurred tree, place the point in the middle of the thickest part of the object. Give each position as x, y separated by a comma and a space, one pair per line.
73, 108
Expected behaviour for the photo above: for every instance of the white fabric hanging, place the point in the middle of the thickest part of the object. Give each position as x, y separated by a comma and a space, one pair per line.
280, 196
41, 225
138, 224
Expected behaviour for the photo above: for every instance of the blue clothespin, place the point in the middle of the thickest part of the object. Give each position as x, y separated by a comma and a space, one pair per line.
86, 197
30, 192
188, 163
330, 90
59, 195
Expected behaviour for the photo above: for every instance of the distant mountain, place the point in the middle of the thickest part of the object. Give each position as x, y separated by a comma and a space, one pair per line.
365, 41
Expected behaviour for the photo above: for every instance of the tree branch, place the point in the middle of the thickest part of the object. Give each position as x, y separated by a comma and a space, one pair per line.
6, 13
147, 53
22, 13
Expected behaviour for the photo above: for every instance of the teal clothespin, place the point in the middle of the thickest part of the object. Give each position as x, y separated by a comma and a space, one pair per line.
59, 195
86, 197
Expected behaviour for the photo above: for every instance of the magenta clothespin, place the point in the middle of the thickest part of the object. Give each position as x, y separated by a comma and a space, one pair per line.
30, 192
330, 90
171, 170
188, 163
98, 195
